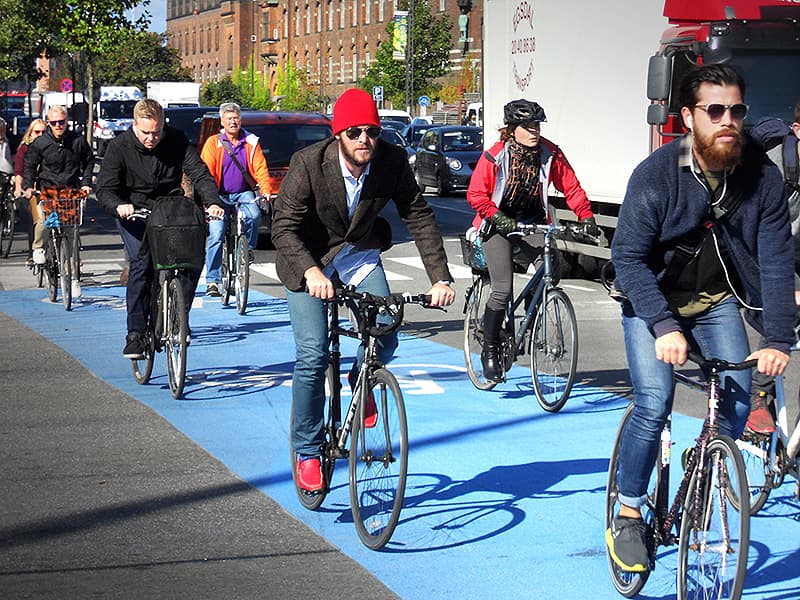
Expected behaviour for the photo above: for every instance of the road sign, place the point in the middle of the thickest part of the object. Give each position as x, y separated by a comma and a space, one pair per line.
424, 101
377, 93
65, 85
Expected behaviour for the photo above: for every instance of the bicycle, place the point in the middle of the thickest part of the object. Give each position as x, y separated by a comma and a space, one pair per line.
236, 260
63, 208
549, 324
770, 457
168, 320
7, 215
378, 455
713, 534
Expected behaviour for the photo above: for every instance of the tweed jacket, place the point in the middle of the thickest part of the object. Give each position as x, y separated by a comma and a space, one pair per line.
311, 223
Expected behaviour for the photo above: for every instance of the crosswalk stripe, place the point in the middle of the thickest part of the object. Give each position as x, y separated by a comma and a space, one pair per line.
457, 271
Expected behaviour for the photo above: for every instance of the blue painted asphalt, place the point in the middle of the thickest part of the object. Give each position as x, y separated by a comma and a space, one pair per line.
502, 501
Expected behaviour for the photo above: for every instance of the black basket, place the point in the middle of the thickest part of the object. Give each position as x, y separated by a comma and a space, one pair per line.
473, 256
177, 246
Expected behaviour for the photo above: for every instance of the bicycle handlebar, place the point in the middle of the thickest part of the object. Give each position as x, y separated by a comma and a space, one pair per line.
569, 229
368, 306
717, 364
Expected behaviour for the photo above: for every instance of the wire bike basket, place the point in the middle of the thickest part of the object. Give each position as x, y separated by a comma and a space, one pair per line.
62, 206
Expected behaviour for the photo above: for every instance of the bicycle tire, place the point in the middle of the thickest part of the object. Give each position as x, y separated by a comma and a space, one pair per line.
65, 268
554, 350
704, 554
226, 271
7, 225
143, 368
242, 276
378, 462
50, 268
626, 583
313, 500
756, 449
176, 328
473, 333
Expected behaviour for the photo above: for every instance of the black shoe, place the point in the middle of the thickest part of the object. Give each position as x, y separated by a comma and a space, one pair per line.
627, 546
490, 360
134, 346
213, 290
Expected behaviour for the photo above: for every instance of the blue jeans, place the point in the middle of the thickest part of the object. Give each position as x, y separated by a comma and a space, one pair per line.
216, 231
717, 333
309, 317
141, 273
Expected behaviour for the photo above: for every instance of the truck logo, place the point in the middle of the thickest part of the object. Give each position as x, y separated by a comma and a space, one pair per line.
523, 45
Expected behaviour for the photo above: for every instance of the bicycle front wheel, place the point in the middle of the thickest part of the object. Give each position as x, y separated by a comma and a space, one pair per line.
714, 536
554, 351
473, 333
626, 583
756, 449
65, 264
227, 270
176, 328
242, 281
7, 225
379, 462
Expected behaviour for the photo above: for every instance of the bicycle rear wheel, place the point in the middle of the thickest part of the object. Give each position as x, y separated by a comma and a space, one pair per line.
379, 462
756, 454
7, 217
227, 270
65, 264
714, 536
242, 281
143, 368
176, 328
554, 351
627, 584
313, 500
50, 268
473, 332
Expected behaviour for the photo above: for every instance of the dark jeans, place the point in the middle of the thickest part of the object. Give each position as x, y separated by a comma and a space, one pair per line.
141, 274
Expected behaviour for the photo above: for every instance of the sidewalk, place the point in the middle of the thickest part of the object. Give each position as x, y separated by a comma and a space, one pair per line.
101, 497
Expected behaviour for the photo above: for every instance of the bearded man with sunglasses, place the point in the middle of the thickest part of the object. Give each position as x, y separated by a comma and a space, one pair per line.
327, 226
703, 230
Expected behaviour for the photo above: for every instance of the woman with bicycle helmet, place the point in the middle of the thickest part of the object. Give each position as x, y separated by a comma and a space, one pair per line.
509, 185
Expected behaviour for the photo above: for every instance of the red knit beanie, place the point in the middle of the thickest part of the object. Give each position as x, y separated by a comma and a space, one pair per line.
354, 107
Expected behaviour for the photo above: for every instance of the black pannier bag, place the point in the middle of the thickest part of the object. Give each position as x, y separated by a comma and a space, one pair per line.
176, 233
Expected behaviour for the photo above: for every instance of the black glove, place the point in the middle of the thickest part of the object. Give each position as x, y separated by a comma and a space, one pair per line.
503, 223
590, 227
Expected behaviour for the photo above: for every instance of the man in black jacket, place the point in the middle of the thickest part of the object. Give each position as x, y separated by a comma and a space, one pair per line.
146, 162
60, 157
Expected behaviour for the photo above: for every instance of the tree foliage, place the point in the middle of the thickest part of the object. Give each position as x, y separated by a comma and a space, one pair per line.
142, 56
431, 56
293, 89
224, 90
26, 35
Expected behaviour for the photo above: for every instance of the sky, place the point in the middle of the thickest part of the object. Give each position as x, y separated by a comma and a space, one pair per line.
158, 15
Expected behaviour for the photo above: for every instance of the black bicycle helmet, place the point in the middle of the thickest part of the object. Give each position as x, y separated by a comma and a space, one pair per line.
522, 111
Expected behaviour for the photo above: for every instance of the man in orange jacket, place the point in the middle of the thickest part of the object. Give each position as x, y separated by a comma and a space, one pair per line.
237, 164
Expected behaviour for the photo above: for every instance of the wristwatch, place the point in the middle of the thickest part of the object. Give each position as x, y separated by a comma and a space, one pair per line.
445, 282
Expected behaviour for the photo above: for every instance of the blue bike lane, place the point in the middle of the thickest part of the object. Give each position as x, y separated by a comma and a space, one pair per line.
503, 500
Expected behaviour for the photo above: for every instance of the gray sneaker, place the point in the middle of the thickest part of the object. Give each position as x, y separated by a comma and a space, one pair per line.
213, 290
627, 546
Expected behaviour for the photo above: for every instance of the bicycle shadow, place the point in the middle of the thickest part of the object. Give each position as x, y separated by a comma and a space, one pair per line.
225, 383
761, 573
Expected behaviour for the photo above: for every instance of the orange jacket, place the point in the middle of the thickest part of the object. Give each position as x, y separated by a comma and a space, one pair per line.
213, 154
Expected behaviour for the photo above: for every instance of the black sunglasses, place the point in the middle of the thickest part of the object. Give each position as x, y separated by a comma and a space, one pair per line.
58, 122
355, 132
717, 111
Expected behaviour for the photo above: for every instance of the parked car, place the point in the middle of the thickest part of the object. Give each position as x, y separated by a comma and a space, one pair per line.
446, 157
188, 119
414, 132
391, 124
281, 134
393, 137
394, 115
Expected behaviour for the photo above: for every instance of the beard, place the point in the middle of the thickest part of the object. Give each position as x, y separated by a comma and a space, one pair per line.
718, 157
350, 155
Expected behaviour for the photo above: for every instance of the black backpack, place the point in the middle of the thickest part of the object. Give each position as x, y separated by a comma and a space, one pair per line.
771, 131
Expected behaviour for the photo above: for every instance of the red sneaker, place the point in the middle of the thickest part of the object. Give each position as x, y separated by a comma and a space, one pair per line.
371, 408
309, 474
760, 419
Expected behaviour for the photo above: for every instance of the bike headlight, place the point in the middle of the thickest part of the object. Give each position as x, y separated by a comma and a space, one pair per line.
454, 164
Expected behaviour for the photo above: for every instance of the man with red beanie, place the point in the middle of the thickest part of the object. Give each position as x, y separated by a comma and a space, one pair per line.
327, 225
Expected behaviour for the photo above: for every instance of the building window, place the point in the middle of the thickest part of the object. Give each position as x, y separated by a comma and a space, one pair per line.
380, 11
264, 26
308, 19
355, 66
330, 15
367, 60
319, 17
441, 6
355, 13
230, 53
296, 21
342, 15
367, 11
341, 67
330, 69
285, 23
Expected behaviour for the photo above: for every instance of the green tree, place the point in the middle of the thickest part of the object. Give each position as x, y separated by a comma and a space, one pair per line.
224, 90
254, 93
431, 56
94, 28
293, 89
141, 57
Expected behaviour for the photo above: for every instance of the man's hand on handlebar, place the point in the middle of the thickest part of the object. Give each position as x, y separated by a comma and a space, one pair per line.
317, 285
442, 295
124, 210
215, 212
770, 361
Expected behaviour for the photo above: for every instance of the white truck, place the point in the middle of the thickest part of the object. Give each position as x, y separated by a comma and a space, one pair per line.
606, 74
174, 93
113, 113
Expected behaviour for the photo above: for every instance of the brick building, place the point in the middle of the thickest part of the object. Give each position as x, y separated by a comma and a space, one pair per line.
334, 40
